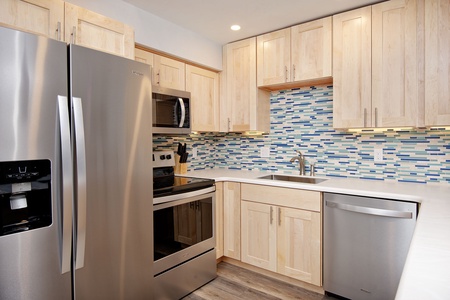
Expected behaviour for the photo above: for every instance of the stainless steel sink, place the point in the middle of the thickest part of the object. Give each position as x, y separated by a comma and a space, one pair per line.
311, 180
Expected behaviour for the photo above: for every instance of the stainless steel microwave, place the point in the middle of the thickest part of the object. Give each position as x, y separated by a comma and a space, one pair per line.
171, 111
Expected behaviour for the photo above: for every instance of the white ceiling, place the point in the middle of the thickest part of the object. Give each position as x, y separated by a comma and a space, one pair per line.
213, 18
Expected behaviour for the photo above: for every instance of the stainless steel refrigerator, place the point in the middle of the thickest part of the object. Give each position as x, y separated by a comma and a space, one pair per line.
75, 172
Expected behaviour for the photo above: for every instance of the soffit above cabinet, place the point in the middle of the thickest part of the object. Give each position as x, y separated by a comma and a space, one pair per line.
212, 19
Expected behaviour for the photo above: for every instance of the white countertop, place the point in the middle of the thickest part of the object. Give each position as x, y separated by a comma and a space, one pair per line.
426, 274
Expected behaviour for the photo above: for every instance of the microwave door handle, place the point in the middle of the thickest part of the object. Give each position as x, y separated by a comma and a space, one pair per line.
183, 112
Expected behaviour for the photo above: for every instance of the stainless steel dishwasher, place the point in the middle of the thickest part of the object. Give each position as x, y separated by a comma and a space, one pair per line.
366, 241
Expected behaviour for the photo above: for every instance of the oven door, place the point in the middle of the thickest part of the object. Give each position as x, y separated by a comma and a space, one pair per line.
183, 229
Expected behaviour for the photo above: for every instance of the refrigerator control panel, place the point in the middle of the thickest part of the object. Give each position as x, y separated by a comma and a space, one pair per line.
25, 195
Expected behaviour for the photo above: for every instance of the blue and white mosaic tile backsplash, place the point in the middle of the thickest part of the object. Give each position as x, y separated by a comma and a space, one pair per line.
302, 119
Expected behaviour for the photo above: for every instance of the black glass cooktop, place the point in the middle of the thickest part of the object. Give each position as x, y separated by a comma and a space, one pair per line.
182, 185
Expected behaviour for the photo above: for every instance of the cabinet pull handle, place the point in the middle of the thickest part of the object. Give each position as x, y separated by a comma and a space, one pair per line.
365, 117
158, 76
74, 35
229, 124
58, 31
271, 215
286, 73
376, 117
279, 216
293, 72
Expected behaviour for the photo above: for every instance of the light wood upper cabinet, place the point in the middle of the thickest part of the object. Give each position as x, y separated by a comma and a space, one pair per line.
437, 62
169, 73
301, 53
89, 29
281, 231
274, 57
232, 220
375, 66
42, 17
352, 68
143, 56
219, 219
243, 106
311, 50
204, 87
394, 64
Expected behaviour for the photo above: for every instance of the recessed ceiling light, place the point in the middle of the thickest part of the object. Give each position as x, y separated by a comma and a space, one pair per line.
235, 27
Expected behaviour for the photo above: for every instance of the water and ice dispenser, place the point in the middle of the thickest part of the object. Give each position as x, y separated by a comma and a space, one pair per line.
25, 195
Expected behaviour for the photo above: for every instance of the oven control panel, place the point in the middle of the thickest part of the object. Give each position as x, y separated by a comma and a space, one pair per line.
163, 158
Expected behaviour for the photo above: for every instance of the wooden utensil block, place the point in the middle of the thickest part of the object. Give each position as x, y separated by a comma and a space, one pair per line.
180, 168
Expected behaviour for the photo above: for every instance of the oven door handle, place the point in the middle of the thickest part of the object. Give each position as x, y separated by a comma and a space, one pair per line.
171, 200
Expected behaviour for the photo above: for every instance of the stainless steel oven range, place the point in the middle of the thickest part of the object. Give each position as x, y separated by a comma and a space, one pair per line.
183, 230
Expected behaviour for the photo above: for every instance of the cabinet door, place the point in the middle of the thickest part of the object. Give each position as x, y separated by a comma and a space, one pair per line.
437, 62
274, 57
394, 64
241, 78
299, 245
143, 56
259, 235
247, 108
204, 87
219, 219
89, 29
169, 73
232, 220
43, 17
352, 69
311, 45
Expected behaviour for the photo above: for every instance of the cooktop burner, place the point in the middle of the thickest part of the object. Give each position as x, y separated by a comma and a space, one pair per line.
182, 185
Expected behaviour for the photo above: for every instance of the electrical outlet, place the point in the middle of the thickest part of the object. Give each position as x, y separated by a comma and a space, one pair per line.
378, 154
194, 152
265, 152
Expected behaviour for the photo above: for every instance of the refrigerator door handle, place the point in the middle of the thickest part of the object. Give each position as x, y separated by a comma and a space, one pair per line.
66, 184
81, 182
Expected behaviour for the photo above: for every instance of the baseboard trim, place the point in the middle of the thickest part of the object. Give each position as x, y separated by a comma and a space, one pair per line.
301, 284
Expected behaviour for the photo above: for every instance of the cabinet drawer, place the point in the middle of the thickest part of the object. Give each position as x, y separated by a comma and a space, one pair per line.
288, 197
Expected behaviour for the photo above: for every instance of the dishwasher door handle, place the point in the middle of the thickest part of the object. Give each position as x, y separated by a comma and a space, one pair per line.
371, 210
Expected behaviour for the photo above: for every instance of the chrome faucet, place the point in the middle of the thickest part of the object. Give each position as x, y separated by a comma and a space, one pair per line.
301, 162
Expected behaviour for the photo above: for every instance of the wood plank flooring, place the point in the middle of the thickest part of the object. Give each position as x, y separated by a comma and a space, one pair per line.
234, 282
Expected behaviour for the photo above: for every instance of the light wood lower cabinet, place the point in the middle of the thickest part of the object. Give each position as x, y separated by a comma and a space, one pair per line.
219, 219
259, 235
232, 220
299, 244
281, 231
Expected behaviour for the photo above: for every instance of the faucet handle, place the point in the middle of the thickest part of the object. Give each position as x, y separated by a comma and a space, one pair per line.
312, 169
299, 152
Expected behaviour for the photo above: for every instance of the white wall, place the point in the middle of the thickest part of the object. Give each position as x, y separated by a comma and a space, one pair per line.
157, 33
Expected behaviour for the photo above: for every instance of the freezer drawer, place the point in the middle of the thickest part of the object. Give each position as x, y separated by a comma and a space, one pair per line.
366, 241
